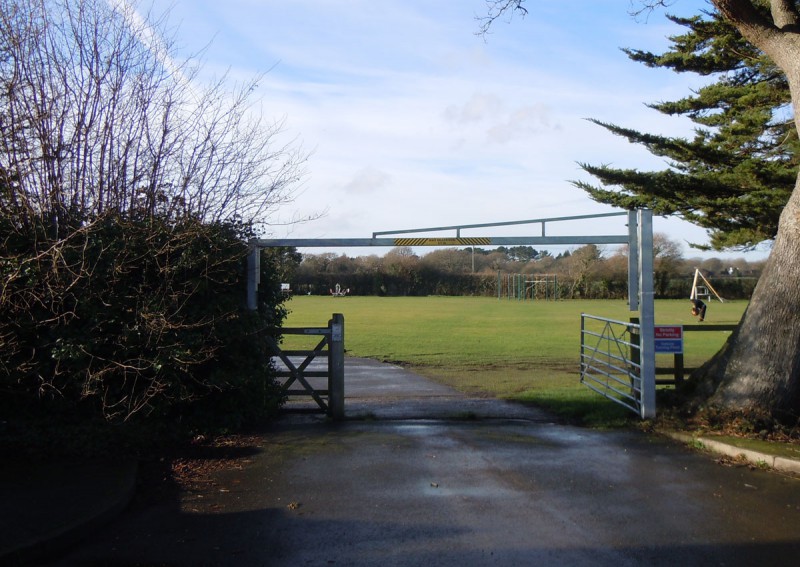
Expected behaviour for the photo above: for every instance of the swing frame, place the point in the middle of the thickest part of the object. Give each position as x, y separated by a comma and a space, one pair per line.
694, 294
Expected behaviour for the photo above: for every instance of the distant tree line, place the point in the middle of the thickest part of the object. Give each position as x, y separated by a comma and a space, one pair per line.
587, 272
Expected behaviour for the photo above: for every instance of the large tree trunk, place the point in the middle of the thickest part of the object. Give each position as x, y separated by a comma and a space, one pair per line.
758, 370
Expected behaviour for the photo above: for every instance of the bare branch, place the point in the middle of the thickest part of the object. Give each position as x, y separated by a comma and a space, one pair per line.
646, 7
497, 9
100, 115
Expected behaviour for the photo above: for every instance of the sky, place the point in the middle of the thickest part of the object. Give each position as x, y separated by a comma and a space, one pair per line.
412, 119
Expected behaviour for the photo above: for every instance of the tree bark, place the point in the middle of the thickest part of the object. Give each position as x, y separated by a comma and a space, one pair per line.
759, 369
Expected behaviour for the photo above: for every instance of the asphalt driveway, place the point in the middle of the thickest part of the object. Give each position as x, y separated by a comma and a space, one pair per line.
429, 477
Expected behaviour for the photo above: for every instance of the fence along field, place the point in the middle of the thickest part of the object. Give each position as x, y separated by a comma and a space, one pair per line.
526, 351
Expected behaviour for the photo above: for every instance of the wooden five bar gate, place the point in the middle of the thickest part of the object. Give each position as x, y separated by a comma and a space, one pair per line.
293, 365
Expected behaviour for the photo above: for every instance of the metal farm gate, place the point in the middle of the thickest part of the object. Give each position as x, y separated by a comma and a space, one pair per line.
611, 360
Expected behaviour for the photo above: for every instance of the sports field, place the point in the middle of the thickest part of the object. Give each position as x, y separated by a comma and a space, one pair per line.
523, 350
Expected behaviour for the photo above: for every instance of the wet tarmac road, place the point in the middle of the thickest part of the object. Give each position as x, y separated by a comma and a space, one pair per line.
410, 485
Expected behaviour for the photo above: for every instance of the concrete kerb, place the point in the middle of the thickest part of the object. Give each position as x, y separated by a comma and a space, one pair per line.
757, 458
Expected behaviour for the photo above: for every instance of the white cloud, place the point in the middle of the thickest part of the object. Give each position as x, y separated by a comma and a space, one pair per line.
416, 121
521, 123
368, 180
479, 107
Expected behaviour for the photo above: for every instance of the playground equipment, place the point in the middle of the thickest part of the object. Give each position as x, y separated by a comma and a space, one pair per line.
527, 286
339, 292
702, 291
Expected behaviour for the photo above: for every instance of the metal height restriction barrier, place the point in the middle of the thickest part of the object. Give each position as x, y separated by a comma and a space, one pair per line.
330, 397
639, 239
610, 360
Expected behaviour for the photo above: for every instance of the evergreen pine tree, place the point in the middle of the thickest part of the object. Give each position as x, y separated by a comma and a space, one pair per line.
735, 176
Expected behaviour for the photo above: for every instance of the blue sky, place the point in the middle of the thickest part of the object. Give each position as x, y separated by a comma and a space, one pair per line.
413, 120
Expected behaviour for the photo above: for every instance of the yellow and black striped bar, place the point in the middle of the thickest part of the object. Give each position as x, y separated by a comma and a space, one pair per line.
454, 241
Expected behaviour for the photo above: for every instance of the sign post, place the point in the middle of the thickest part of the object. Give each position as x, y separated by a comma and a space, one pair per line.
336, 367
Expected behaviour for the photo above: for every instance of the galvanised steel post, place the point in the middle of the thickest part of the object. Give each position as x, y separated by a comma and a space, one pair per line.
633, 261
647, 315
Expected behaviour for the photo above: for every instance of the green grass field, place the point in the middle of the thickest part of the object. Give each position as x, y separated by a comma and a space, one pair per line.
527, 351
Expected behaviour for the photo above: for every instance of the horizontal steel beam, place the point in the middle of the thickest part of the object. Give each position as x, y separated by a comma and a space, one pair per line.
459, 227
440, 241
